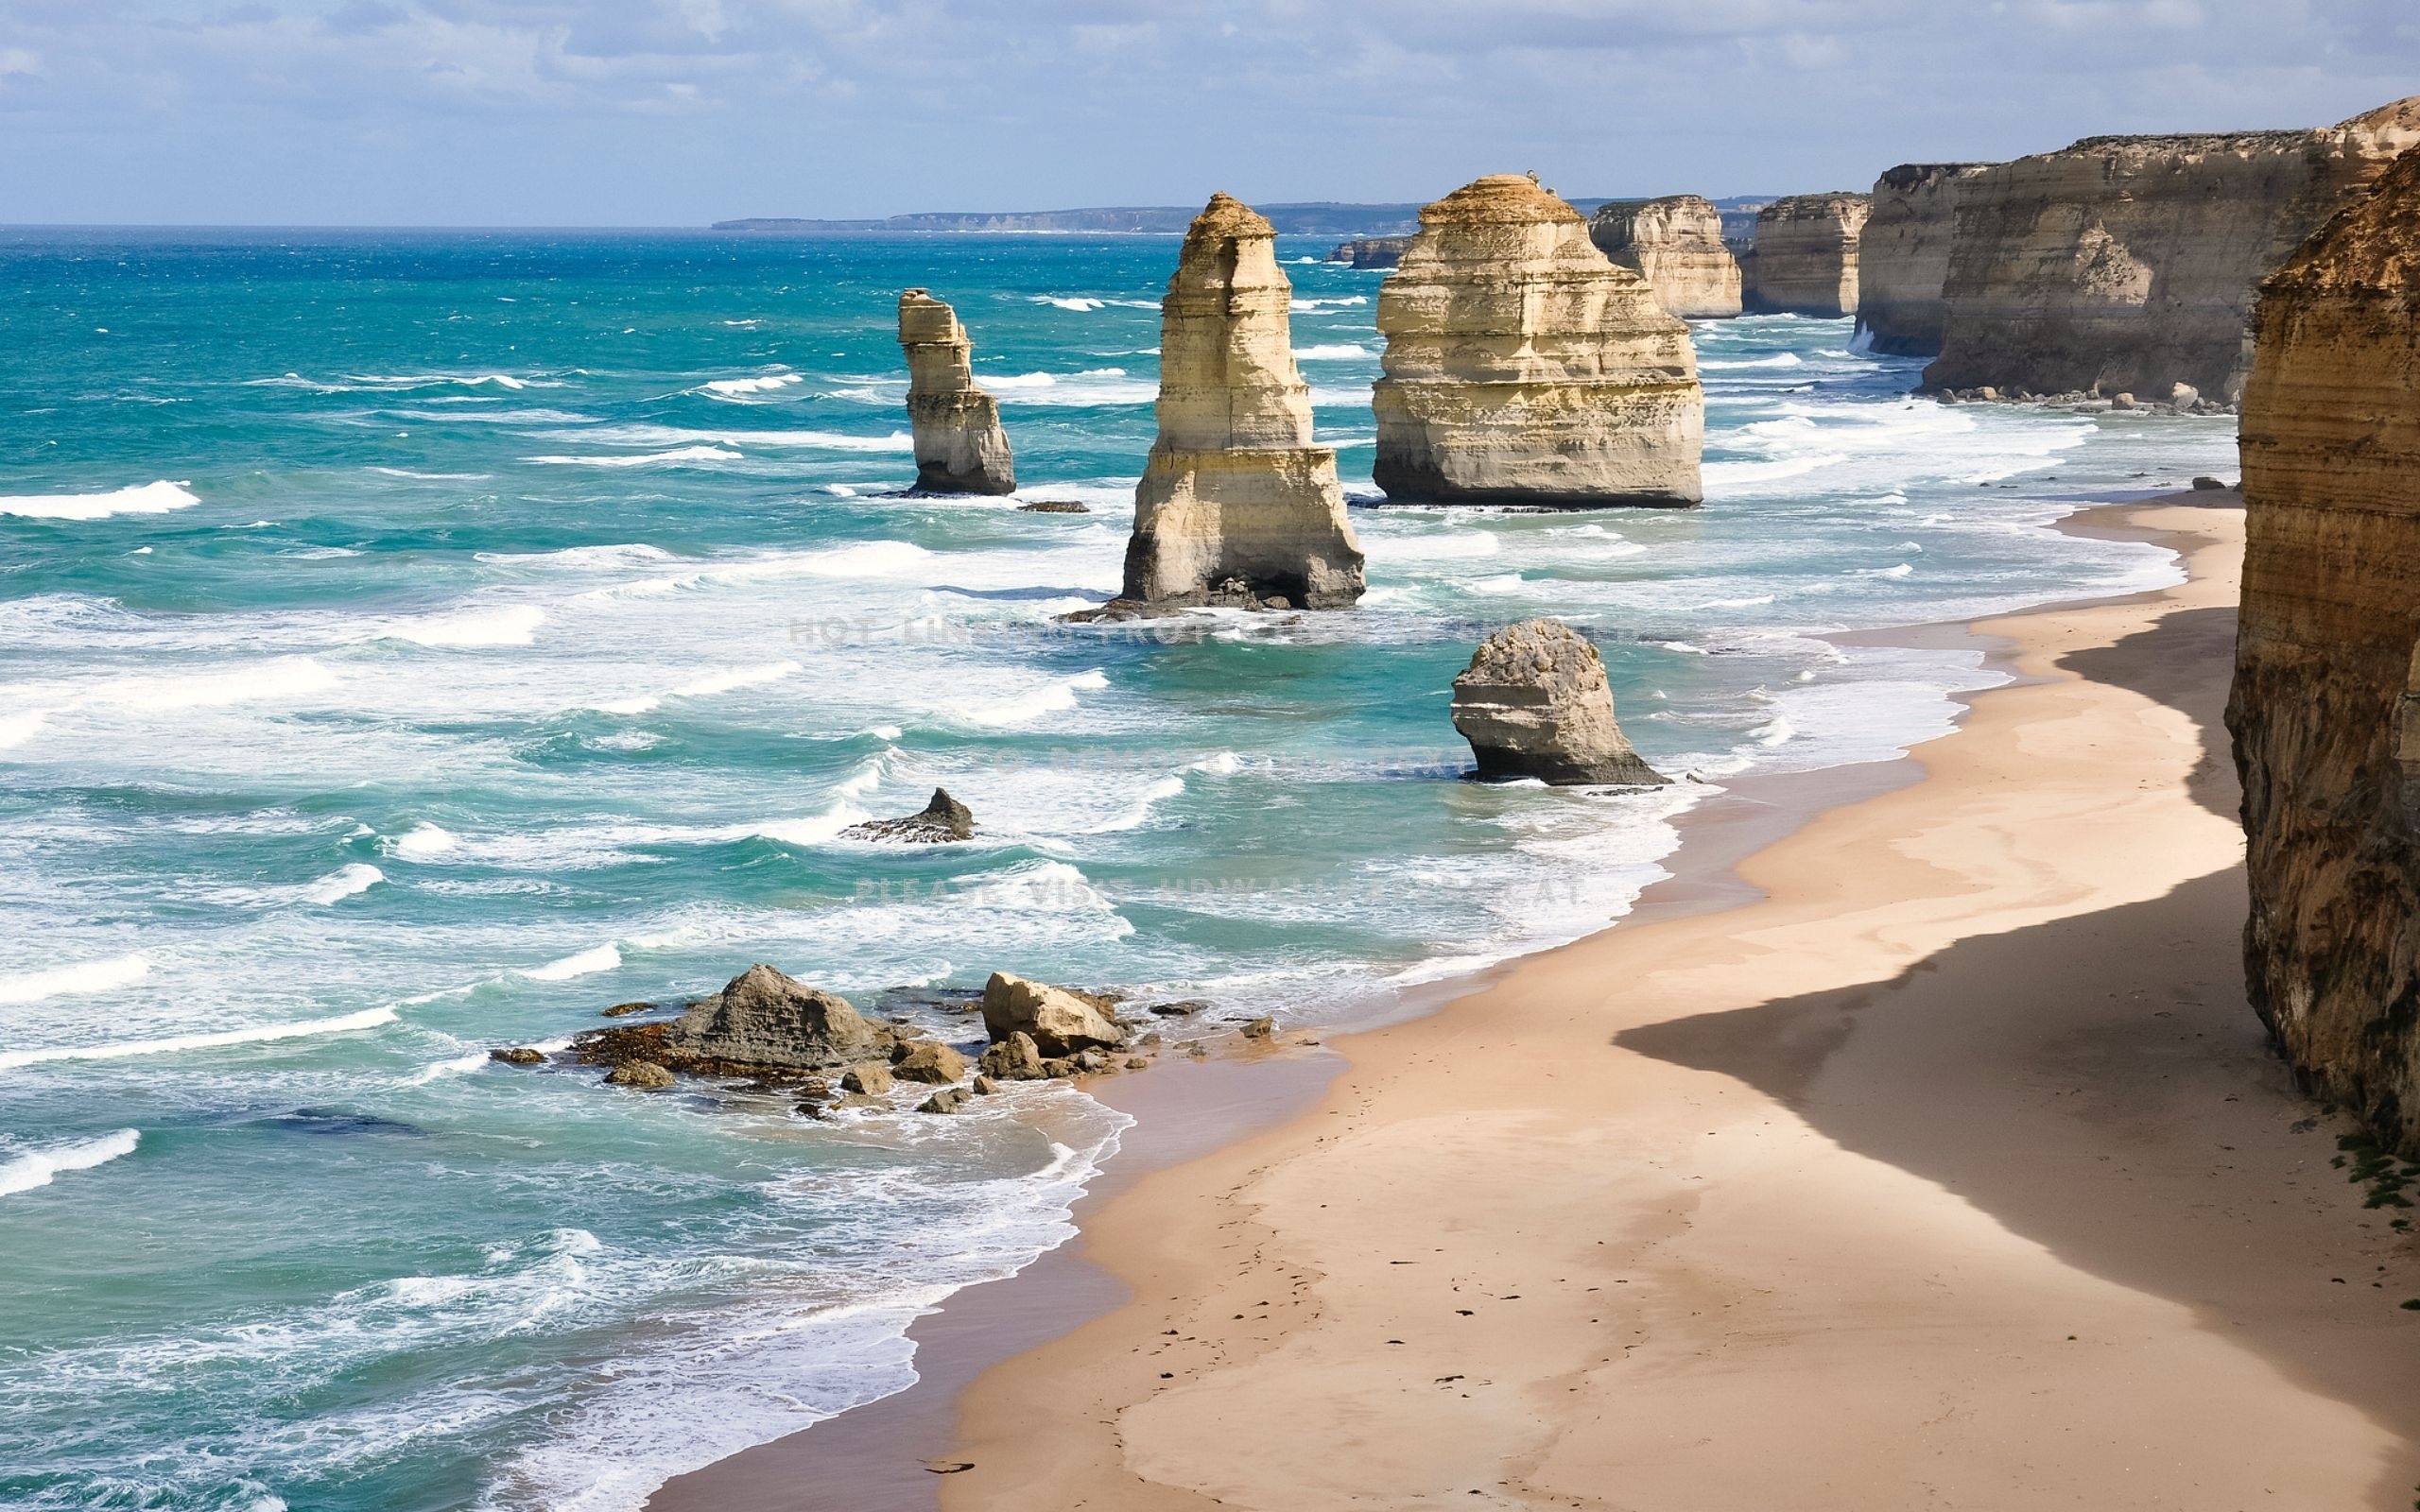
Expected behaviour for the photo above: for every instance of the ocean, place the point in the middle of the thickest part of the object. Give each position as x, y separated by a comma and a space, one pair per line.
414, 642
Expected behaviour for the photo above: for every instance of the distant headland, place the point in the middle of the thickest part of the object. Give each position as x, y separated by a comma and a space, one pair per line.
1322, 217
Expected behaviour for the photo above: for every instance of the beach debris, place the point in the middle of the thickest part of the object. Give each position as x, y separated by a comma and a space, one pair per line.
942, 819
928, 1060
1059, 1022
1534, 703
643, 1074
956, 427
519, 1055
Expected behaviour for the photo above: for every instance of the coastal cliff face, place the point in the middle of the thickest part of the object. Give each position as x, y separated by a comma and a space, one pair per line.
2132, 262
1806, 255
1523, 368
1674, 243
1903, 257
1236, 506
959, 445
2325, 710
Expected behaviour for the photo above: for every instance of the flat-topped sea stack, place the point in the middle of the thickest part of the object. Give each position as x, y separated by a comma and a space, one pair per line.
959, 445
1523, 368
1236, 507
1534, 703
1674, 243
2326, 710
1806, 255
1903, 255
1370, 251
2131, 262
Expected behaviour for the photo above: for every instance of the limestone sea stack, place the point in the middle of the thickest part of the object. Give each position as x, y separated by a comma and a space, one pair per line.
1523, 368
1534, 702
1806, 255
2325, 710
2131, 262
1674, 243
1236, 506
1903, 255
959, 445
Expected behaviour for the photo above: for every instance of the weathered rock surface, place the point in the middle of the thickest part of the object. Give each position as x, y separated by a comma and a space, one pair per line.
1370, 251
1674, 243
959, 445
1903, 255
519, 1055
1806, 255
640, 1074
1523, 368
949, 1100
868, 1080
1236, 506
1059, 1023
1014, 1059
2132, 262
762, 1023
942, 819
1534, 702
2325, 710
928, 1060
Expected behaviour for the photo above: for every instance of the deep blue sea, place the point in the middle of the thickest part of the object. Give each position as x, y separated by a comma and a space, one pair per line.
411, 643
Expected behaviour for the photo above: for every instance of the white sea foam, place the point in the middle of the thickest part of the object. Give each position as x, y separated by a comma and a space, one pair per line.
1304, 306
678, 457
705, 687
457, 1066
24, 1172
736, 387
419, 842
15, 729
586, 963
90, 976
689, 438
1079, 303
1139, 813
148, 498
1052, 699
1093, 388
1779, 359
1331, 352
356, 877
261, 1034
514, 624
284, 677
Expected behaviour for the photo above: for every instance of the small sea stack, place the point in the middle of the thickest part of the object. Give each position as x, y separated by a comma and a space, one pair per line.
1903, 255
1806, 255
1523, 368
959, 445
1674, 243
2326, 707
1370, 251
939, 822
1534, 703
1236, 507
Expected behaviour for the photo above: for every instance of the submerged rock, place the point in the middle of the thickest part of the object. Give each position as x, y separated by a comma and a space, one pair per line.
1523, 368
1903, 255
1534, 702
2325, 708
1058, 1023
519, 1055
1236, 506
959, 445
1806, 255
1674, 243
942, 819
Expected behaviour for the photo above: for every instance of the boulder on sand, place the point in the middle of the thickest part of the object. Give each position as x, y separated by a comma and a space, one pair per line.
944, 818
1059, 1022
1534, 702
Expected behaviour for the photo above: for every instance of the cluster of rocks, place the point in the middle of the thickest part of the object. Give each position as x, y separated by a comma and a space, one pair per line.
2181, 399
939, 821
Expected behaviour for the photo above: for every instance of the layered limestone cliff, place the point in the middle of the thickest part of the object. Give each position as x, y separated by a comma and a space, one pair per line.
1523, 368
1806, 255
959, 445
1903, 255
1674, 243
2132, 262
1236, 506
2326, 710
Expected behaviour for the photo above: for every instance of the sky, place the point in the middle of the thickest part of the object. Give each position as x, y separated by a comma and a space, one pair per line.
669, 112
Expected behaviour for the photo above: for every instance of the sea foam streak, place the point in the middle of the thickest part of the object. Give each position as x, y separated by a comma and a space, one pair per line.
93, 976
26, 1172
367, 1018
672, 458
343, 883
149, 498
587, 962
512, 626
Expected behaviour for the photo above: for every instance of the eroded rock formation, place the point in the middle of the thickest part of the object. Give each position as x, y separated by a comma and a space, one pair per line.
1370, 251
1534, 702
1903, 255
959, 445
762, 1023
941, 820
2325, 710
1055, 1021
2132, 262
1236, 506
1806, 255
1523, 368
1674, 243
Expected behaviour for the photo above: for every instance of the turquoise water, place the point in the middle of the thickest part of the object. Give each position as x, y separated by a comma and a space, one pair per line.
410, 643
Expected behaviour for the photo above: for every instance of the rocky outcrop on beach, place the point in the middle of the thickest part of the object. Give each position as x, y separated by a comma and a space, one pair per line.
941, 820
1370, 251
1674, 243
2325, 710
762, 1023
2131, 262
1903, 255
1523, 368
1056, 1022
1806, 255
956, 425
1236, 506
1534, 702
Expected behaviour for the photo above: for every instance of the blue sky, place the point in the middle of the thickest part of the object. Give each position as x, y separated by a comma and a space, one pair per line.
681, 111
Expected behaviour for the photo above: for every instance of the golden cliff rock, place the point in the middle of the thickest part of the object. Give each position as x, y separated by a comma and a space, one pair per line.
1903, 255
956, 425
1806, 255
1674, 243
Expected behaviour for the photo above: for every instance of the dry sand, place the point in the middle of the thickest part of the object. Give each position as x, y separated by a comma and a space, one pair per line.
1952, 1172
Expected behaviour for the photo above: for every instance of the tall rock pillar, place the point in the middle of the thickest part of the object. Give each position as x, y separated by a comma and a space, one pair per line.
959, 445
